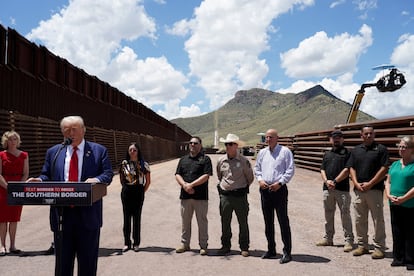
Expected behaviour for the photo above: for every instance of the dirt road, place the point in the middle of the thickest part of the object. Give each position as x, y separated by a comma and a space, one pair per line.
161, 225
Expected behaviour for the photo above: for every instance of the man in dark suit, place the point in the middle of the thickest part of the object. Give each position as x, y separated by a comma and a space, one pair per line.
81, 225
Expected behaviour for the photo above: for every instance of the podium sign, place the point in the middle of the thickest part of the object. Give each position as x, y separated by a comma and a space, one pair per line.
54, 193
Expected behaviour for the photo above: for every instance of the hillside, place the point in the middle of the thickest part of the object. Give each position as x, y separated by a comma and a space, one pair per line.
256, 110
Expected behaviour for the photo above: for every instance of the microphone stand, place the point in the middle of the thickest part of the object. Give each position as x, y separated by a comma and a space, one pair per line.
59, 233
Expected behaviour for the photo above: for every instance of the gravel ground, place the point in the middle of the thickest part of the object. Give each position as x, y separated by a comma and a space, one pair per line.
161, 225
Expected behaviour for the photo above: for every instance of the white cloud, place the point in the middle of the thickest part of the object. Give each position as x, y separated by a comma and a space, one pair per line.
364, 5
88, 33
226, 42
320, 55
227, 38
400, 102
93, 41
336, 3
173, 110
378, 104
151, 81
403, 53
297, 87
12, 21
342, 87
180, 28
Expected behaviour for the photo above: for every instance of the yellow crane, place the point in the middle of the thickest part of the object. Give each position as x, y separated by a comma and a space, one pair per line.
389, 83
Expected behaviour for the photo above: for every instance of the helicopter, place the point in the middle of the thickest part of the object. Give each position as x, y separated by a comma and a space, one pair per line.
390, 82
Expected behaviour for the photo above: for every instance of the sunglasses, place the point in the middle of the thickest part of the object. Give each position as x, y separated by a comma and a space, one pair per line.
229, 144
194, 143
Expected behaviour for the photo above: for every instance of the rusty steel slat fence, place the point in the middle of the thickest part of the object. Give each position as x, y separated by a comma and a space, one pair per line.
41, 88
39, 134
38, 88
38, 83
309, 147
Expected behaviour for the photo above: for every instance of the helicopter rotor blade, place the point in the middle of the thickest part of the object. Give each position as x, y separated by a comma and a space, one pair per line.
383, 66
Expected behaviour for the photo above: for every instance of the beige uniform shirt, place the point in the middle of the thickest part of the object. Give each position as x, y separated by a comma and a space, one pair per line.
235, 173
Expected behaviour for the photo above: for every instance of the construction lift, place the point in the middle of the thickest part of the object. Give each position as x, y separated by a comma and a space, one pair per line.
388, 83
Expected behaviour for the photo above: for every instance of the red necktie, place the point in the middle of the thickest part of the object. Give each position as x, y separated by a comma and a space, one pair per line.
73, 166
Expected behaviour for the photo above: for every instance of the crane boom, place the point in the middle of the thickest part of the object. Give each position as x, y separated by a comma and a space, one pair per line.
357, 102
388, 83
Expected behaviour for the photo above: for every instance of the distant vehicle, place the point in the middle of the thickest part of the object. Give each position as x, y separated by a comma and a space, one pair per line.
388, 83
248, 151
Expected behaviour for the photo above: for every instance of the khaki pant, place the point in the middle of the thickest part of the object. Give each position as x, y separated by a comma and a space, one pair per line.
200, 207
365, 202
331, 198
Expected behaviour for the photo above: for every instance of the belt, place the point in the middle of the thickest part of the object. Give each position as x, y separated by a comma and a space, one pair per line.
236, 192
134, 184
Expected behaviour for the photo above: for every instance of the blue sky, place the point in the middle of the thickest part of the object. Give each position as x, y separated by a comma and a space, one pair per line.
184, 58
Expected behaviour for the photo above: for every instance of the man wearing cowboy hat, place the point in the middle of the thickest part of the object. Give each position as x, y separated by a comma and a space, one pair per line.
235, 174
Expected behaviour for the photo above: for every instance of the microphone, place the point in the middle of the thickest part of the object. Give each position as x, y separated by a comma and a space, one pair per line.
67, 141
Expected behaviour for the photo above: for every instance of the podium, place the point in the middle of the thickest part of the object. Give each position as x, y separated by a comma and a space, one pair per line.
55, 193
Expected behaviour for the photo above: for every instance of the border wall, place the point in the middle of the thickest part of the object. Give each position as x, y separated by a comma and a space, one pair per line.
38, 88
309, 147
38, 134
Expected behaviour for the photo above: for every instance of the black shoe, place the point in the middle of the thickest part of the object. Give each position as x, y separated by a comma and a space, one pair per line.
410, 266
224, 250
285, 258
51, 250
397, 263
15, 251
269, 255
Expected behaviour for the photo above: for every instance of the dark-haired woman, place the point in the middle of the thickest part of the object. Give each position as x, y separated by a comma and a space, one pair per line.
135, 178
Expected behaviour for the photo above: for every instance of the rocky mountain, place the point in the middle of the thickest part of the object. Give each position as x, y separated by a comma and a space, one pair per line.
256, 110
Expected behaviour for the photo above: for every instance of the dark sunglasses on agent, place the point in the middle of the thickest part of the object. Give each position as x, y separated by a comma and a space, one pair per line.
230, 144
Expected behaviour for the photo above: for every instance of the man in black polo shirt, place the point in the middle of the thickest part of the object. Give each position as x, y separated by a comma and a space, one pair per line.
192, 174
368, 165
336, 191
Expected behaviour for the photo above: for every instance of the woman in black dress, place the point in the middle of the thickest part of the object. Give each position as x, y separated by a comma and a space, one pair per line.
135, 178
